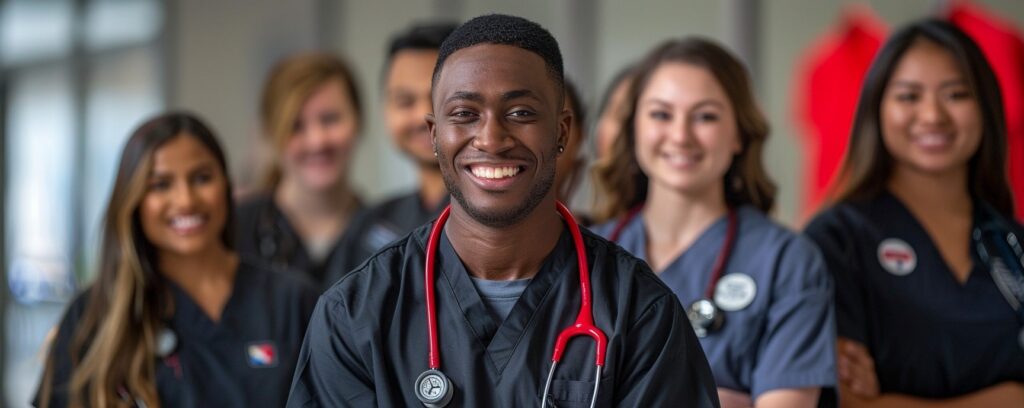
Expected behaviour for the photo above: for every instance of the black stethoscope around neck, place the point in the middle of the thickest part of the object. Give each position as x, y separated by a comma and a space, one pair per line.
435, 390
999, 248
705, 315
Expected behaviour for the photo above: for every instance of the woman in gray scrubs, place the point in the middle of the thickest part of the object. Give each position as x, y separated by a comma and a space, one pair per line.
688, 193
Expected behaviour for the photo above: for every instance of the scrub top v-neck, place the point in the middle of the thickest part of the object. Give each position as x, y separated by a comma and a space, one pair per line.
779, 328
929, 334
245, 359
263, 232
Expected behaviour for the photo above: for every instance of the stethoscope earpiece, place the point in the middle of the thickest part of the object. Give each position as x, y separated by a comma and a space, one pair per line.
705, 317
434, 389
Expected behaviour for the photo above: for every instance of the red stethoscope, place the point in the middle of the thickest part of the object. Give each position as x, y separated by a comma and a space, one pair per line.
435, 390
705, 316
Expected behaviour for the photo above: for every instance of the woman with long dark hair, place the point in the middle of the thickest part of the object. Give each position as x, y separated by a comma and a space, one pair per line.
686, 190
920, 236
175, 317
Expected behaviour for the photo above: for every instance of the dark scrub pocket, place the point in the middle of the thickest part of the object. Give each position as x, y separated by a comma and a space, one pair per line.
576, 394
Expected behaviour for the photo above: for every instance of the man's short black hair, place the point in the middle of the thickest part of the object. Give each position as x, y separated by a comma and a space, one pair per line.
419, 36
504, 30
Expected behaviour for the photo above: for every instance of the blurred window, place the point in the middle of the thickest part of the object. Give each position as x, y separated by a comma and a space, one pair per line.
78, 76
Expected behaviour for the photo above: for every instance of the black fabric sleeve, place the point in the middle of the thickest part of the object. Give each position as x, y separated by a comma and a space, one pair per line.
667, 367
836, 241
351, 251
58, 357
330, 372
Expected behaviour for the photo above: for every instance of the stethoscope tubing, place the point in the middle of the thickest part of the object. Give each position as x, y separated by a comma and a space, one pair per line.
723, 254
583, 326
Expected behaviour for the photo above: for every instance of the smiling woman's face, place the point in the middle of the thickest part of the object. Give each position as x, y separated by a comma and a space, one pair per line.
686, 131
497, 127
184, 209
930, 118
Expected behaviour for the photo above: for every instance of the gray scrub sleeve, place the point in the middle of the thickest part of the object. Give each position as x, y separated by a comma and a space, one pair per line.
797, 348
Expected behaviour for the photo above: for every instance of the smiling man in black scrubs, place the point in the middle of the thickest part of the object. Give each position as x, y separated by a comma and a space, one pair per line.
507, 281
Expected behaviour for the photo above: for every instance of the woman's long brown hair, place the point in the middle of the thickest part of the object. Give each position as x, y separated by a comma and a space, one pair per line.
113, 344
868, 165
624, 185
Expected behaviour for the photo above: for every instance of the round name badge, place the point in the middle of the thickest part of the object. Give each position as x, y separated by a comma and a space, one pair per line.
735, 291
897, 257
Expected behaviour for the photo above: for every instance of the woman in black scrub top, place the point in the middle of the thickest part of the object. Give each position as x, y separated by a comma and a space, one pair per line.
687, 192
923, 188
311, 115
175, 318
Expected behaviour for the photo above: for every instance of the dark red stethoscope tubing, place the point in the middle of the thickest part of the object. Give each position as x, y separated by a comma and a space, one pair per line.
428, 283
720, 261
584, 325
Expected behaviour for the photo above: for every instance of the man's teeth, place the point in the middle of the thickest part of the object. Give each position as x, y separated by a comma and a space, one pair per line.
186, 222
495, 172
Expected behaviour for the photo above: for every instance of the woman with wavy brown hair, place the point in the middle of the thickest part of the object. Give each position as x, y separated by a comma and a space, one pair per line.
921, 237
311, 115
687, 191
175, 316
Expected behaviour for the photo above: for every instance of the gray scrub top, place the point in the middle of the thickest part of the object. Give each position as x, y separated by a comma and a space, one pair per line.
785, 337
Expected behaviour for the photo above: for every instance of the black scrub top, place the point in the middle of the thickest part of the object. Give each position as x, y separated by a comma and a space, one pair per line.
375, 227
930, 335
367, 340
244, 360
263, 232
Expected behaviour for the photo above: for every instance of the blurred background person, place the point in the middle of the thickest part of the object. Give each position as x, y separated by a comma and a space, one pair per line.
176, 317
612, 112
571, 163
756, 293
909, 238
312, 115
407, 75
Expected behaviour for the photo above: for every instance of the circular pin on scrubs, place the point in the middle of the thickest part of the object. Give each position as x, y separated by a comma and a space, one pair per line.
704, 317
166, 342
735, 291
897, 257
433, 389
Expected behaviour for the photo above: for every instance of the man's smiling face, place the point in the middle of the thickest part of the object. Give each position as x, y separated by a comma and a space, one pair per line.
498, 121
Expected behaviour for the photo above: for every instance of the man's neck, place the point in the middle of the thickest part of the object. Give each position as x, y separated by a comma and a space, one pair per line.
507, 253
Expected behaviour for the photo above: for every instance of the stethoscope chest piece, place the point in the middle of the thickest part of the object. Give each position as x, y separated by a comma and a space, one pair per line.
434, 389
705, 317
166, 342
